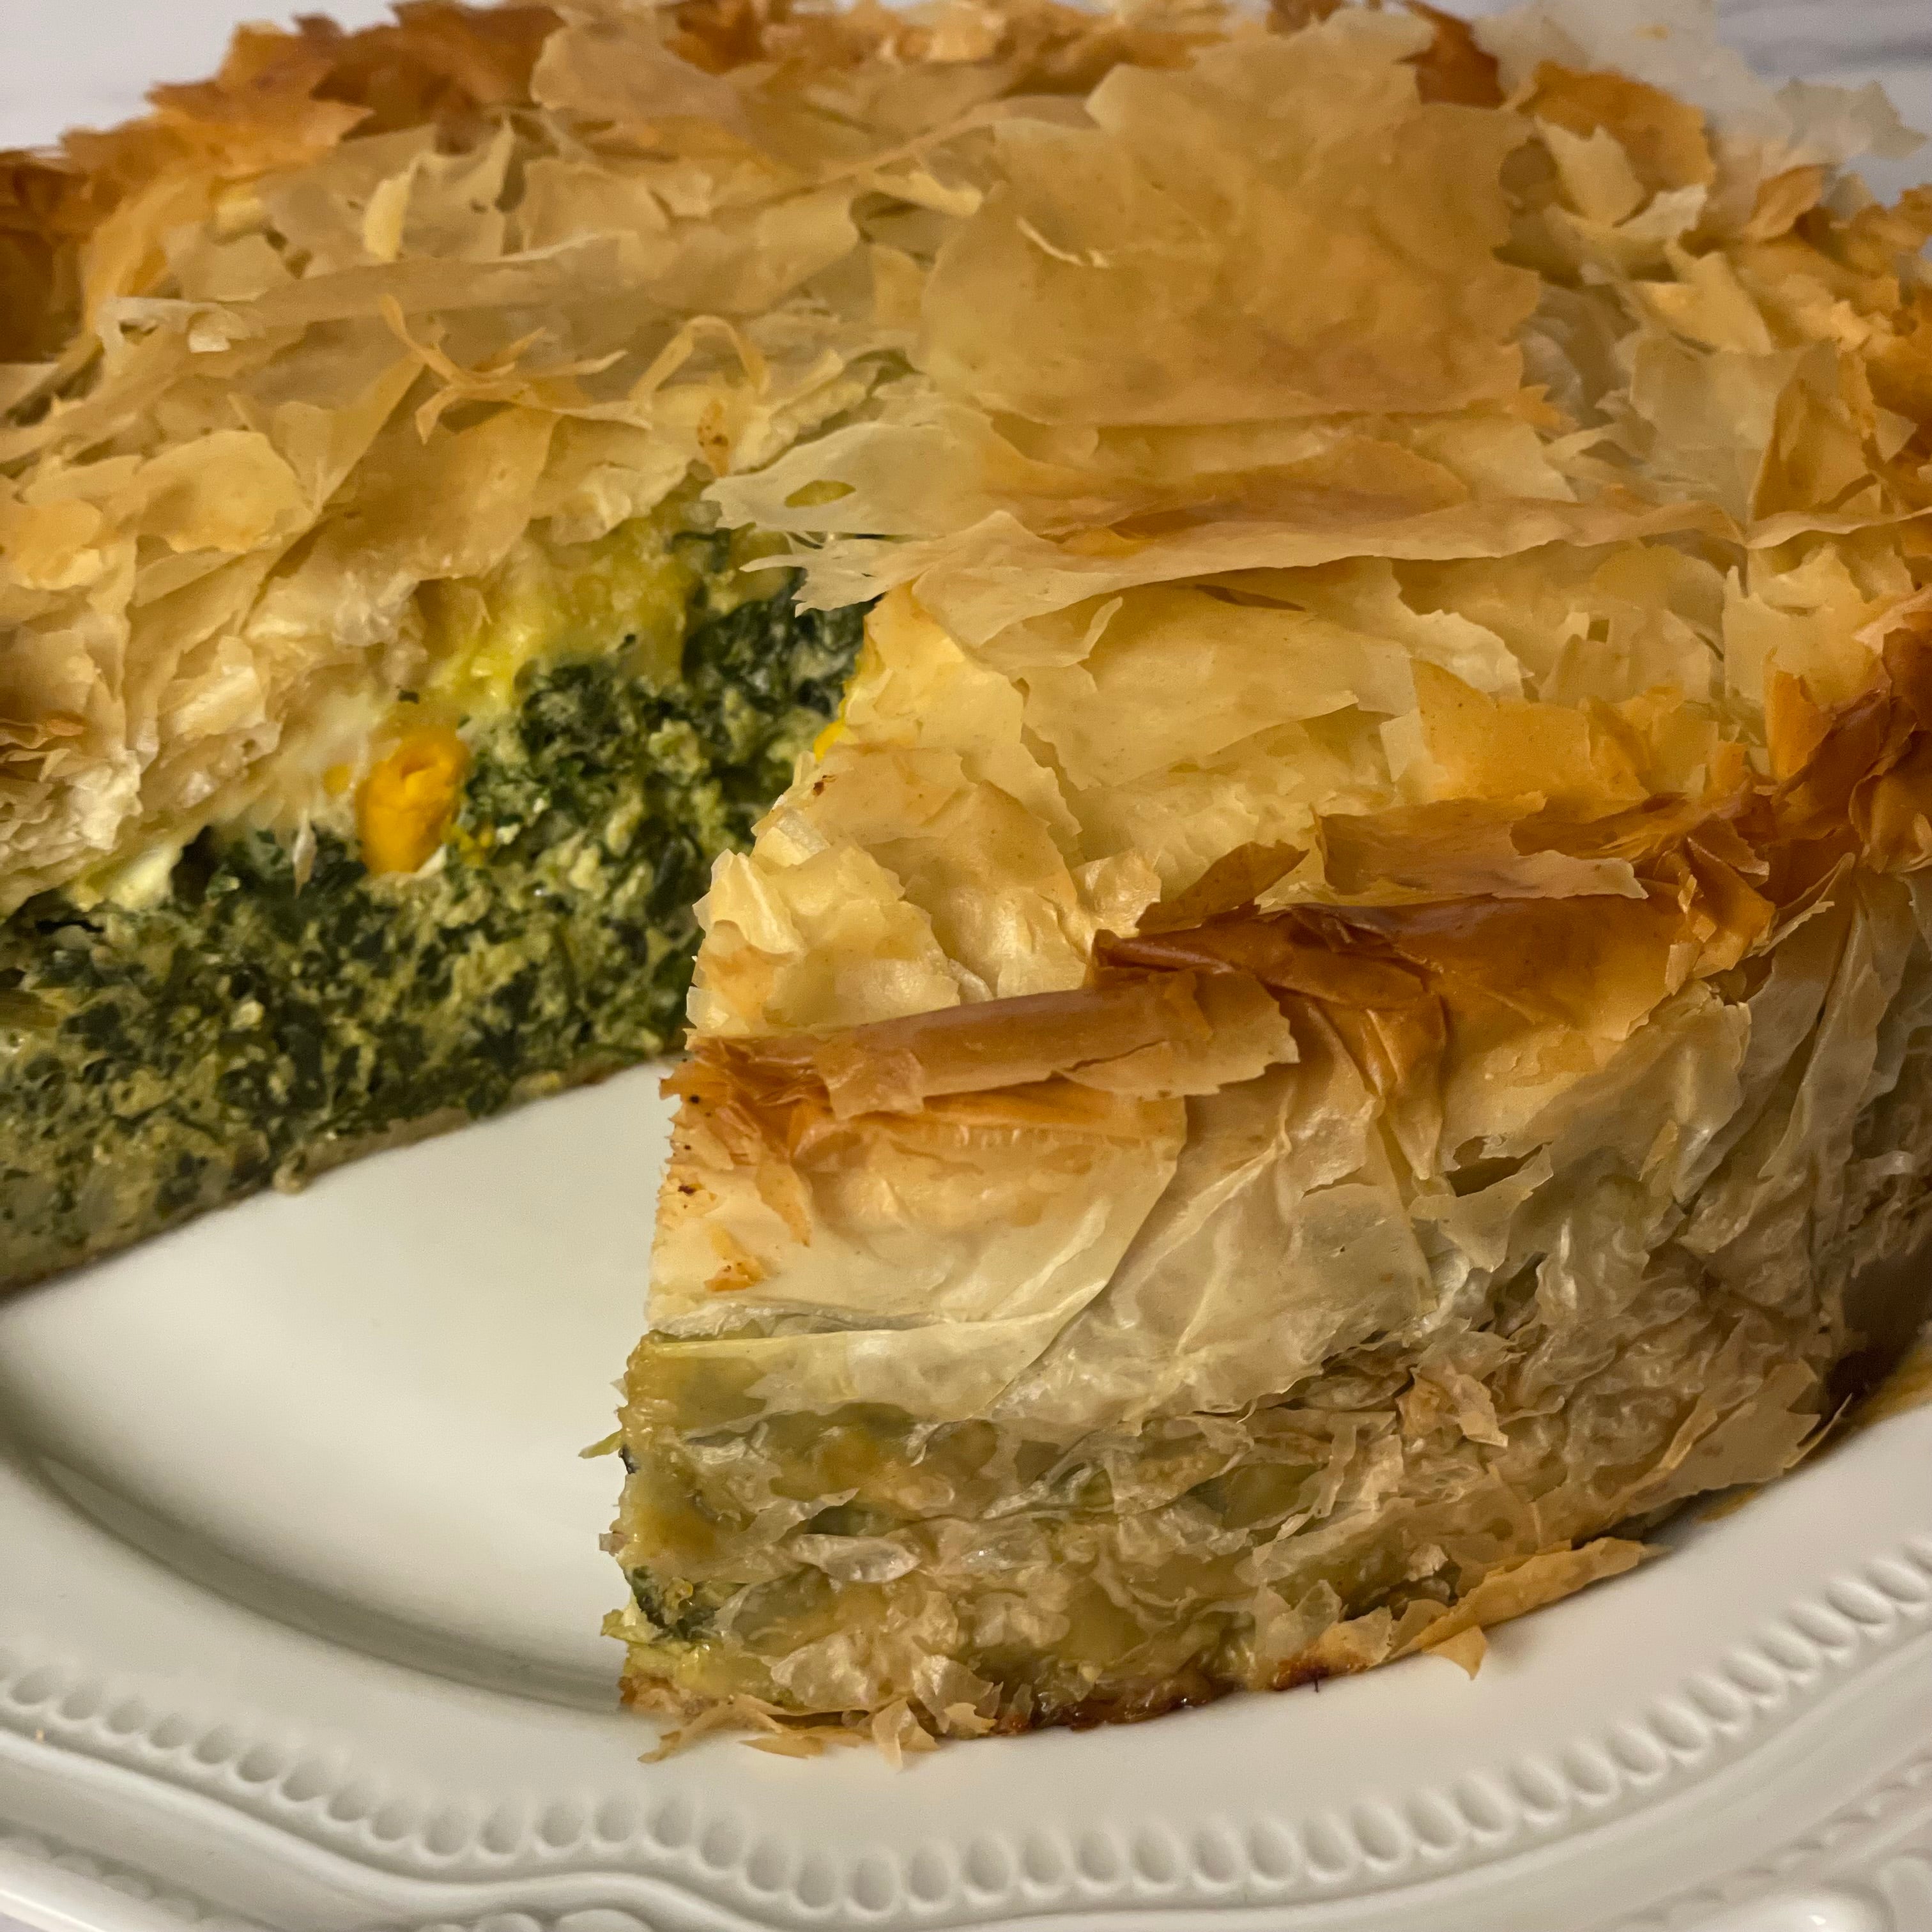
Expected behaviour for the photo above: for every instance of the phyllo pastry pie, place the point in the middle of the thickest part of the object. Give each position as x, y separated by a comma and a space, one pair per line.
376, 685
1331, 1031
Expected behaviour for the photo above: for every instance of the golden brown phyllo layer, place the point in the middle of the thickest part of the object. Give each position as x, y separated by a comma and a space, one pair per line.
1329, 1034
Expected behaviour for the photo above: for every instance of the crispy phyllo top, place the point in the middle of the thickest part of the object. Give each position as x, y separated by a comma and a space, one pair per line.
368, 312
1374, 463
1067, 321
1414, 531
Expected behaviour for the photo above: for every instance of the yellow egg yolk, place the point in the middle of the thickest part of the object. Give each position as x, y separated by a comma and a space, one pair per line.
406, 803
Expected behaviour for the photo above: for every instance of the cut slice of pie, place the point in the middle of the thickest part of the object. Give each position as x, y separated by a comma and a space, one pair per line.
377, 684
1329, 1034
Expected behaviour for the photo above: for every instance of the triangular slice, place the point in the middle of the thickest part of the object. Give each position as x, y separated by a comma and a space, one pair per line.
1328, 1038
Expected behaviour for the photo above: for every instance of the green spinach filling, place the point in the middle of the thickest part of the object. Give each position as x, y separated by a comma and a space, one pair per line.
256, 1026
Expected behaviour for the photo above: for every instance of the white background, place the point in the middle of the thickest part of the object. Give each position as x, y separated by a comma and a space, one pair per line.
88, 61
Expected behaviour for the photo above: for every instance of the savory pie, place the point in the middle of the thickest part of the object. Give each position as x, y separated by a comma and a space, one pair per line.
1343, 1017
378, 686
1329, 1033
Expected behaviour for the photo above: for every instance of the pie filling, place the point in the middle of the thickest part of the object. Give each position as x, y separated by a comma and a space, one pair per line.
276, 1007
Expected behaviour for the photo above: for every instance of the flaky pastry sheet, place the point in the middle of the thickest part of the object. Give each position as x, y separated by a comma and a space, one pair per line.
1404, 670
373, 312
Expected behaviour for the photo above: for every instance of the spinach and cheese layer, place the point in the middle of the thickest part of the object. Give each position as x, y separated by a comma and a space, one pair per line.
507, 910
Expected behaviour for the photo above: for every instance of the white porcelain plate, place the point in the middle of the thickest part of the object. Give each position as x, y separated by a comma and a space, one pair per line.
300, 1586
